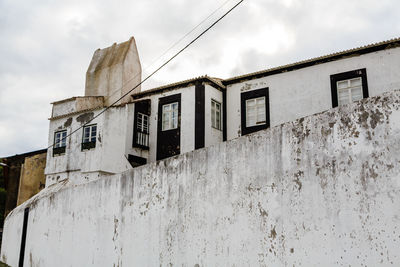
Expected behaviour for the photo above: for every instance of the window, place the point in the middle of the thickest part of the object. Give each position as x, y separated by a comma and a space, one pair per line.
215, 114
255, 111
60, 142
170, 116
142, 130
89, 137
141, 124
349, 91
348, 87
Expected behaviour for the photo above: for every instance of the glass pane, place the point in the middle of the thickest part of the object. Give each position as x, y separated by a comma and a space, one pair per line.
165, 125
356, 93
250, 103
175, 122
166, 107
355, 82
213, 118
342, 84
250, 116
343, 97
261, 101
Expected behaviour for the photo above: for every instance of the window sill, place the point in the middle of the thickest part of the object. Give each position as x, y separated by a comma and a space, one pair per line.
141, 146
212, 127
59, 151
88, 146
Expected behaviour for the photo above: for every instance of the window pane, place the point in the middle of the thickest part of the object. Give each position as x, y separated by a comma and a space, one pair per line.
342, 84
213, 119
250, 103
343, 97
218, 107
355, 82
356, 94
250, 116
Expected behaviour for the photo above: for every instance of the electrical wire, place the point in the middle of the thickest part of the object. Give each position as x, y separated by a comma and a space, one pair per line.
171, 47
154, 72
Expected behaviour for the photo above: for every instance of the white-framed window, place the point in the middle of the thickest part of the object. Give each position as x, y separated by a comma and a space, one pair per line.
255, 111
142, 129
215, 114
349, 90
89, 137
170, 116
60, 139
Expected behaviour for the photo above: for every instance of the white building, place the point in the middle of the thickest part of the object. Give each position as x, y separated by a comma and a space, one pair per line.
155, 124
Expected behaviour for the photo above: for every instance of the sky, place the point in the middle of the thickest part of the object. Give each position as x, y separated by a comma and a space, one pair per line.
46, 46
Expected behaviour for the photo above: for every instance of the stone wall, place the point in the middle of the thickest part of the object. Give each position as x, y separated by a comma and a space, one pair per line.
319, 191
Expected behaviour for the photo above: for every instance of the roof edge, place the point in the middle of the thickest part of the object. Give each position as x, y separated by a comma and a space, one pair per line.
391, 43
215, 82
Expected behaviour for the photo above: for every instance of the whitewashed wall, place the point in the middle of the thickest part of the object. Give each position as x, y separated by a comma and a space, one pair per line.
108, 157
320, 191
307, 91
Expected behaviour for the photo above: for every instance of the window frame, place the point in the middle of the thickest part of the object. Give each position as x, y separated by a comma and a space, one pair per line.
214, 112
257, 123
142, 130
335, 78
142, 107
171, 117
254, 94
59, 150
89, 144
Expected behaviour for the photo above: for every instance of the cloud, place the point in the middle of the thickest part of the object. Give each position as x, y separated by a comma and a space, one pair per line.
47, 45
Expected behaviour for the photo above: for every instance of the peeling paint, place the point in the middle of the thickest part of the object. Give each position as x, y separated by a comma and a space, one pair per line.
293, 195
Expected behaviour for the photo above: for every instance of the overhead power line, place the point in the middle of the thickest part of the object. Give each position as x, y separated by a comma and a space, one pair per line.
154, 72
171, 47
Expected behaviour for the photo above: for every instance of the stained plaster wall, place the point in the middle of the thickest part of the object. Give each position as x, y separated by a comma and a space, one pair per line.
113, 71
32, 177
108, 157
76, 104
319, 191
307, 91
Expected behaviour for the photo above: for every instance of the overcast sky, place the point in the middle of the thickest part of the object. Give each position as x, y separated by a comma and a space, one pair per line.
46, 45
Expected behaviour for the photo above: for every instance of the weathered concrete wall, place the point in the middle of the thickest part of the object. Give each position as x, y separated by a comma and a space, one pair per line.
108, 157
114, 71
32, 177
76, 104
320, 191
